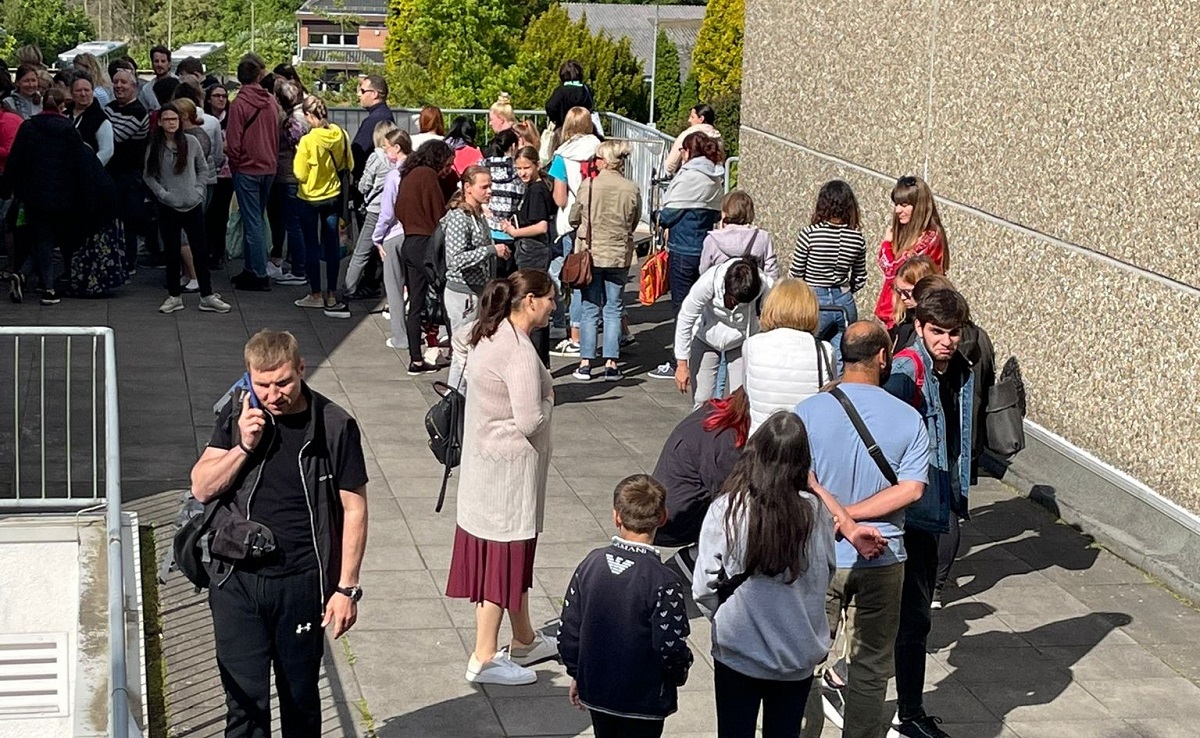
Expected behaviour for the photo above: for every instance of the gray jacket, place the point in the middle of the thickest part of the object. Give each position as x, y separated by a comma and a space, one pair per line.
370, 184
182, 191
470, 252
767, 629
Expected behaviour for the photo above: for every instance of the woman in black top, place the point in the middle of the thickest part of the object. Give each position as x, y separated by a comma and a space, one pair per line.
89, 118
571, 93
532, 230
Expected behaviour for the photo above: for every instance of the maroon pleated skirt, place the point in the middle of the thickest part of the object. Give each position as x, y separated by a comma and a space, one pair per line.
492, 571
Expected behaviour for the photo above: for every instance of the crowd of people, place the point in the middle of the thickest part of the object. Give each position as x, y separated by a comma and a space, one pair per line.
819, 480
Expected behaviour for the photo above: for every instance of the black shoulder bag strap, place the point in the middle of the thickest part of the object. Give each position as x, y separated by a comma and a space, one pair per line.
867, 439
824, 362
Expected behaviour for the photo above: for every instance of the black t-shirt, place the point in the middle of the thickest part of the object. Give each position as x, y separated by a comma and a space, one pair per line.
279, 502
537, 205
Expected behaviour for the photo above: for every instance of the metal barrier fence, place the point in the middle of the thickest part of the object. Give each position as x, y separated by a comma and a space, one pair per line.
57, 433
649, 146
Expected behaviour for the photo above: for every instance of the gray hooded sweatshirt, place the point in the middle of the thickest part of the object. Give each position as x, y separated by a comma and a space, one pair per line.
768, 628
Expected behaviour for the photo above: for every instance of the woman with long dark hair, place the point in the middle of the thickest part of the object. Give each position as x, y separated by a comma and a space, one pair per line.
831, 256
426, 183
502, 481
461, 138
916, 230
175, 173
766, 558
532, 228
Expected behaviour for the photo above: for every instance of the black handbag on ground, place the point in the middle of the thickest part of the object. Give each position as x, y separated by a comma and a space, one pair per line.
444, 424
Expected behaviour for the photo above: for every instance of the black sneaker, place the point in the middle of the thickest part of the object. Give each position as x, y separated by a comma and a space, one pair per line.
925, 726
50, 297
16, 288
251, 282
415, 368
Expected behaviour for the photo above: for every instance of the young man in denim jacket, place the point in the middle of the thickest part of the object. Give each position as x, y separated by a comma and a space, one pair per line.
936, 378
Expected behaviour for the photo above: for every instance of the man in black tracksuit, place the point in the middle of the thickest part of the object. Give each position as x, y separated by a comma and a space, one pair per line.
285, 457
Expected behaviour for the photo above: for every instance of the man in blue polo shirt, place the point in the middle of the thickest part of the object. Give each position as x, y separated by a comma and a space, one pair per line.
874, 491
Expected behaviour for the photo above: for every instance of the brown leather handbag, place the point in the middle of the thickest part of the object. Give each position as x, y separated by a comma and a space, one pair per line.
577, 269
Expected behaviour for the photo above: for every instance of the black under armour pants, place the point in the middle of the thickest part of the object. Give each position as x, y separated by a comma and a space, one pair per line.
260, 622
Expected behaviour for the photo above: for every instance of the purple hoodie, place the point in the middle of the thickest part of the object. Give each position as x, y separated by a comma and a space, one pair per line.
731, 242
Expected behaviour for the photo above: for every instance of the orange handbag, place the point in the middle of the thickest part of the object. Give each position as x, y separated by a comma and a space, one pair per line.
653, 283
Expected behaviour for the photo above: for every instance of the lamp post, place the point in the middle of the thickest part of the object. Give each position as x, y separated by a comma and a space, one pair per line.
653, 66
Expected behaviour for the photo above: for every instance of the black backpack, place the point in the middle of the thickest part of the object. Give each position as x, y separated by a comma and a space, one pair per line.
444, 424
1005, 412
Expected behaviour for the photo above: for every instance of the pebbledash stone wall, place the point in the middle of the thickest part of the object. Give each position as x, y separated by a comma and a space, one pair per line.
1063, 140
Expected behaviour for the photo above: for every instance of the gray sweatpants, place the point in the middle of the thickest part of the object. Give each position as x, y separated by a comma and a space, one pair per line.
461, 310
704, 365
362, 253
393, 286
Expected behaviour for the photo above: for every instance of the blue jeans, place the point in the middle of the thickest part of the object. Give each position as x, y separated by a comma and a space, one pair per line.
320, 226
682, 272
253, 191
605, 291
283, 212
832, 323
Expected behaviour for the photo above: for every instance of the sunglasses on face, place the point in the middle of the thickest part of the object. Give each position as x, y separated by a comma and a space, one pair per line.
906, 294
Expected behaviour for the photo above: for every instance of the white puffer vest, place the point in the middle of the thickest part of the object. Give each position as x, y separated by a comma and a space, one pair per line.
782, 368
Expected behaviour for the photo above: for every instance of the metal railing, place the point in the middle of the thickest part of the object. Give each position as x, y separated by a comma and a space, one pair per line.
44, 360
649, 145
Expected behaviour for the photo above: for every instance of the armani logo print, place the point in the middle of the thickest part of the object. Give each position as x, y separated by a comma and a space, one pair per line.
303, 628
617, 565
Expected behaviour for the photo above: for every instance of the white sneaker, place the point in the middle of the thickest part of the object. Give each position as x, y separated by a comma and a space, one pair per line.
543, 647
171, 305
290, 279
214, 304
308, 301
387, 314
191, 286
273, 271
499, 670
392, 345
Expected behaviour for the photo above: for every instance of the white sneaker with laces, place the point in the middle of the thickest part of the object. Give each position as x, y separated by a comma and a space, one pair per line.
392, 345
543, 647
273, 270
214, 304
171, 305
191, 286
308, 301
499, 670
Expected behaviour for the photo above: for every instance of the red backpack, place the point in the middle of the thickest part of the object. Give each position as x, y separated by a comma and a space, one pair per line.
589, 169
918, 374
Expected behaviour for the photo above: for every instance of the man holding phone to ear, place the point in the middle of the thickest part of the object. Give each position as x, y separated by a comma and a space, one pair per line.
287, 458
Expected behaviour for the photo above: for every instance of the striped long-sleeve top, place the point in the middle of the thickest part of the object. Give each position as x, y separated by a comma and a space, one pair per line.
830, 255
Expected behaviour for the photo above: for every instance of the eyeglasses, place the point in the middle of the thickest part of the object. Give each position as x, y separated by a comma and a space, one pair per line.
906, 294
365, 90
218, 94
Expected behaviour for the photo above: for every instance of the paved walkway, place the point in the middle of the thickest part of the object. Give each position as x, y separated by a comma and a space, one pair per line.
1046, 634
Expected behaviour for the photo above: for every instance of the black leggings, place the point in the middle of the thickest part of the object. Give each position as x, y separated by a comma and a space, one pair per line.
739, 697
216, 220
412, 258
170, 223
612, 726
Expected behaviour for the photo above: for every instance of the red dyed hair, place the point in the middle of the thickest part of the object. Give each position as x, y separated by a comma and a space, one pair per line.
730, 413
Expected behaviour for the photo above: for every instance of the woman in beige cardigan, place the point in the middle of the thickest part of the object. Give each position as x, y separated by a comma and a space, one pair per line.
502, 482
605, 215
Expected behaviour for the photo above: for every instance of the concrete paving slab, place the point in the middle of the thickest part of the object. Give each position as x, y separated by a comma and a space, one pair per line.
1044, 633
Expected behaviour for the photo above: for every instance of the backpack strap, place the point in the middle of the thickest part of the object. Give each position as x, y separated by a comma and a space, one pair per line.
865, 434
750, 246
918, 374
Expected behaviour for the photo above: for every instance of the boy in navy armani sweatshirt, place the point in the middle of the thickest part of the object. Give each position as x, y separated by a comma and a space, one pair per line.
624, 627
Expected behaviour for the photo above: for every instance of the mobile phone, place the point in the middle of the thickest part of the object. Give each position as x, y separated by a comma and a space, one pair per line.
247, 389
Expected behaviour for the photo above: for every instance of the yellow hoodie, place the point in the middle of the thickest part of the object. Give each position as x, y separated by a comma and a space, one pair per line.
320, 155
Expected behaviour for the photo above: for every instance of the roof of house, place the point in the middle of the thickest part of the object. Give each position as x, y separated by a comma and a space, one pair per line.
344, 7
681, 23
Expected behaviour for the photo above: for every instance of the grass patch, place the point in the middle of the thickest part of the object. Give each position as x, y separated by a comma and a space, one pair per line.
156, 665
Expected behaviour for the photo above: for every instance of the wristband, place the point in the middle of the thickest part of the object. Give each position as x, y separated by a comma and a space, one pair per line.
247, 451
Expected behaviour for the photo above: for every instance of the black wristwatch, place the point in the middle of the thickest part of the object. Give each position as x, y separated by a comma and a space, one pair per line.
354, 593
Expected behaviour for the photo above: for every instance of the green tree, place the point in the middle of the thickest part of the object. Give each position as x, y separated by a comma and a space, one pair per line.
717, 57
450, 53
53, 25
667, 89
610, 68
272, 36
